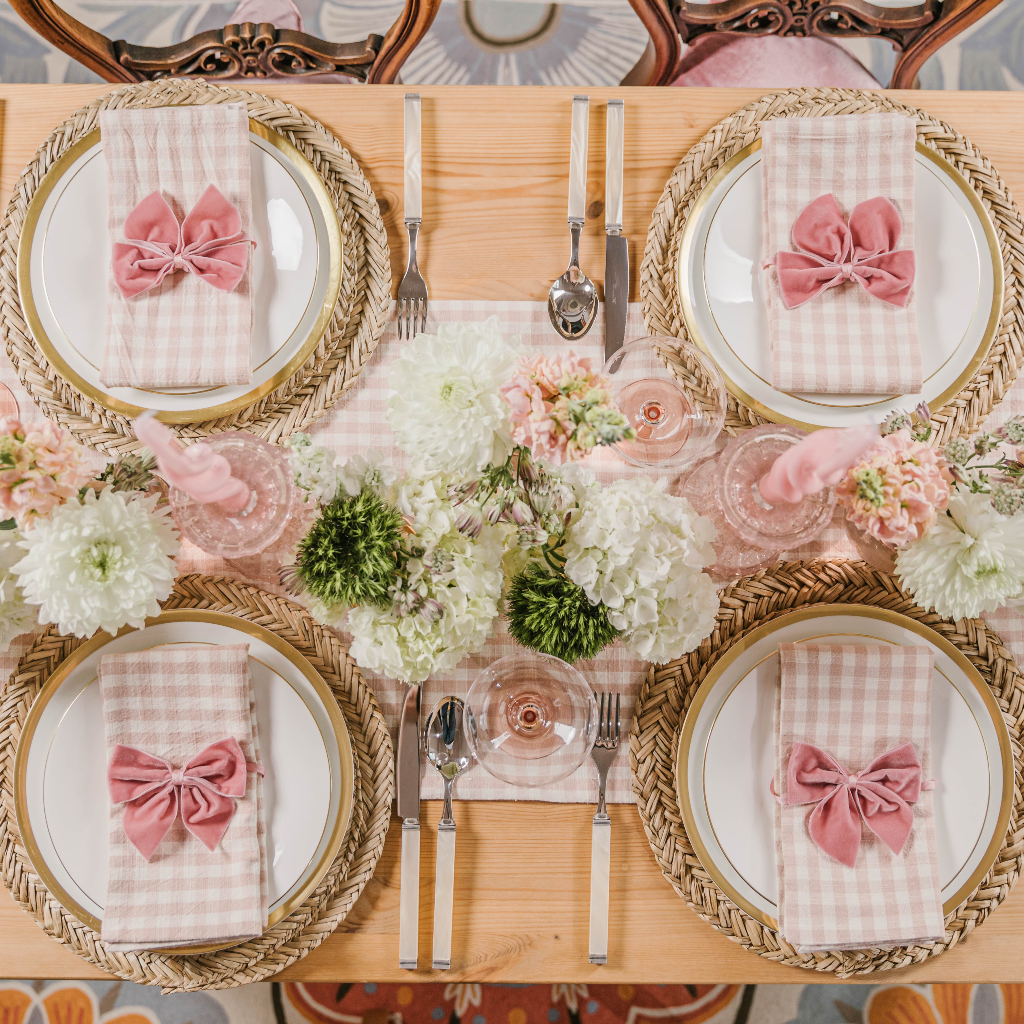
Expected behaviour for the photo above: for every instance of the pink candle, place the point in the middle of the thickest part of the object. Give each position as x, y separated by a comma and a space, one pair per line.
197, 470
818, 461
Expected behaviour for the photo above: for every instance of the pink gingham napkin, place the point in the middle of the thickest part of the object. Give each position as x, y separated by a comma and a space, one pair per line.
173, 702
843, 341
182, 332
855, 703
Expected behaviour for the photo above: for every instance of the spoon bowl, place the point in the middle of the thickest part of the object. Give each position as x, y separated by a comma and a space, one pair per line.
447, 746
572, 300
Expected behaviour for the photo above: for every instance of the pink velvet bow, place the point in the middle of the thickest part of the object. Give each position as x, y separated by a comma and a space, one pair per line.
832, 252
155, 792
881, 795
209, 243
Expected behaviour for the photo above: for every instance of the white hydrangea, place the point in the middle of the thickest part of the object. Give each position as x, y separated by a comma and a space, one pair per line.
971, 561
445, 405
370, 470
17, 616
99, 562
316, 469
451, 592
639, 551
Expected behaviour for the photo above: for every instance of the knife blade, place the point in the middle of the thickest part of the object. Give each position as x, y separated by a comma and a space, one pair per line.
616, 247
407, 776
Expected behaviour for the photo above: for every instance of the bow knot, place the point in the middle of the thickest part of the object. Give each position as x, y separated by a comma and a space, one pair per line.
880, 795
208, 243
154, 792
832, 252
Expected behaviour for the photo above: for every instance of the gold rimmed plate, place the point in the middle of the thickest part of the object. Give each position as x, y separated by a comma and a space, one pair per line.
726, 756
61, 797
958, 289
63, 270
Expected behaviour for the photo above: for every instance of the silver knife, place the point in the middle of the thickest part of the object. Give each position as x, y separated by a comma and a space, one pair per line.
407, 774
616, 248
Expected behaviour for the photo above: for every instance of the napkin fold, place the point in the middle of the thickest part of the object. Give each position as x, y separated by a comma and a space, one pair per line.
183, 332
859, 706
845, 340
174, 702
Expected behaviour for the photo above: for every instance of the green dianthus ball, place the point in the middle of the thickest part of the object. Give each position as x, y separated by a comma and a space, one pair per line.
551, 614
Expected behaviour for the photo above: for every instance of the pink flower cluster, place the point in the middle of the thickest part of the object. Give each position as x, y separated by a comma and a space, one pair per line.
40, 468
895, 492
561, 409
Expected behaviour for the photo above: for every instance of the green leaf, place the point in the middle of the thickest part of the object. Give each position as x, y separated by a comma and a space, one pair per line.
8, 524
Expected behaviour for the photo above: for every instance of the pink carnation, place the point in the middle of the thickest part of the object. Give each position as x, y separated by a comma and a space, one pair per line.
40, 468
895, 492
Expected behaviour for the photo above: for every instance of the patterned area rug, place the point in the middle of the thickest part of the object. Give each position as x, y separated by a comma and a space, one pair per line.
71, 1002
506, 42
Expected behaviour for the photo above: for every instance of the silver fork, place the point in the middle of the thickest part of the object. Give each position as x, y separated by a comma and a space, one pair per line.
412, 292
606, 746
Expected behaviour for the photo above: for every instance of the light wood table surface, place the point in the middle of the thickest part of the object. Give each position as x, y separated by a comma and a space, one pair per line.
495, 165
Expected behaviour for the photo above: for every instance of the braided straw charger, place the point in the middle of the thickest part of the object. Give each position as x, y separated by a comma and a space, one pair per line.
668, 691
351, 336
324, 909
659, 291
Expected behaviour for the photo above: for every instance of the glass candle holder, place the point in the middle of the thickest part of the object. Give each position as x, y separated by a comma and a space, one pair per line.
219, 531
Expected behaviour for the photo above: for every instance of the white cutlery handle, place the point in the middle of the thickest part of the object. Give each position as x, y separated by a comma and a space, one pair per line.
444, 891
409, 900
613, 167
413, 159
578, 159
600, 867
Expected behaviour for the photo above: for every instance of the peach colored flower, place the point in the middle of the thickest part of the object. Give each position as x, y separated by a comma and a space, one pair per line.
40, 468
896, 491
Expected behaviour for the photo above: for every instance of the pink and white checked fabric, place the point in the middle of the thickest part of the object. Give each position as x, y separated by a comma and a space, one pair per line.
183, 332
842, 341
174, 702
855, 703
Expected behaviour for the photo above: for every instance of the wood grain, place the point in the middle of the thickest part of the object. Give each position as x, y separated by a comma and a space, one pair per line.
495, 166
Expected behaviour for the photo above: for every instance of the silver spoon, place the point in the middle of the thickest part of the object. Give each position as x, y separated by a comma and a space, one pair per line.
572, 301
447, 747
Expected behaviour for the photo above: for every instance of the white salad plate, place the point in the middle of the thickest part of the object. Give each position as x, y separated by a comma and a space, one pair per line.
726, 756
958, 288
64, 270
61, 796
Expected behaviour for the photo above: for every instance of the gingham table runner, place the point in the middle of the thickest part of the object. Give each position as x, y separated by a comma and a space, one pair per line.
843, 340
173, 702
855, 703
357, 422
183, 332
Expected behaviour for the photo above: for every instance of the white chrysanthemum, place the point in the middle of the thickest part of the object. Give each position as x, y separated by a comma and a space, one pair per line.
99, 562
17, 616
971, 561
371, 470
316, 469
639, 551
455, 579
445, 405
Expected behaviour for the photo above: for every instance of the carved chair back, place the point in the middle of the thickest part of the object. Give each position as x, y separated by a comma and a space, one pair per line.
234, 51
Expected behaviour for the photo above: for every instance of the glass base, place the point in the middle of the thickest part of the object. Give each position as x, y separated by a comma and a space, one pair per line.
876, 553
736, 557
219, 531
745, 461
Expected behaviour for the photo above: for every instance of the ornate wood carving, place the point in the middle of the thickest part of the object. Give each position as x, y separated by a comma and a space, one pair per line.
249, 51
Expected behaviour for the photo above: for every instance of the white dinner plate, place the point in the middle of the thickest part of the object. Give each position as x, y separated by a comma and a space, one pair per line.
726, 756
61, 797
958, 287
64, 266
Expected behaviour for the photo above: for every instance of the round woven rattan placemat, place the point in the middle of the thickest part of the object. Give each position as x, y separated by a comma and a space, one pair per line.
351, 336
666, 696
325, 908
659, 291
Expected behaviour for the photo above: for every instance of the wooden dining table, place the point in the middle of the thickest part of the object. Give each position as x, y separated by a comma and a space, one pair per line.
495, 168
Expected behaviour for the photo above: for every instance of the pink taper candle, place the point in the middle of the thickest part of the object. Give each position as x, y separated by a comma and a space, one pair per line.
197, 470
818, 461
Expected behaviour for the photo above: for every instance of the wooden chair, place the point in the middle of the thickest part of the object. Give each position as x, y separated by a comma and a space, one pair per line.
915, 32
234, 51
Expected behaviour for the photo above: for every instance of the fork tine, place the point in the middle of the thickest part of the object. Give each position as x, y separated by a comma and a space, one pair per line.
401, 306
618, 717
424, 327
600, 721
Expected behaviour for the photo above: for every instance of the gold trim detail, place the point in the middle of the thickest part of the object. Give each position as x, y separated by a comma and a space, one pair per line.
334, 241
822, 611
689, 318
80, 654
